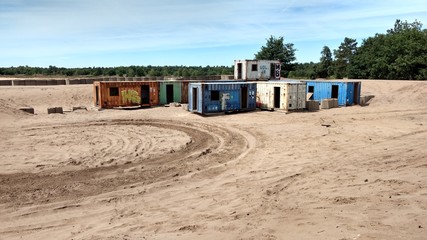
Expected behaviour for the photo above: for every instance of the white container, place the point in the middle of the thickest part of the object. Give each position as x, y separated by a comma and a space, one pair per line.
253, 70
284, 95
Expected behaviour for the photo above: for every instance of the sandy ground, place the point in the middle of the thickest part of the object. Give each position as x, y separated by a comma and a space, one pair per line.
164, 173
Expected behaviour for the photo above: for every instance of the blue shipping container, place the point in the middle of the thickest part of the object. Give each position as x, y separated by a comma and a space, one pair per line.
347, 93
216, 97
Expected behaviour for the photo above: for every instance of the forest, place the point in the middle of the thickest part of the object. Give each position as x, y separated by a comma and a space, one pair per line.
400, 53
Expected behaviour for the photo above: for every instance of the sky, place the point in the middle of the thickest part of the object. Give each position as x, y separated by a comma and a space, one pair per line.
107, 33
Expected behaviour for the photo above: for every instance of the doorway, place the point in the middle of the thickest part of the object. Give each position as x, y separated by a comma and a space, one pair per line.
97, 96
244, 96
276, 97
356, 93
335, 90
310, 92
277, 70
239, 70
272, 71
169, 93
145, 94
194, 98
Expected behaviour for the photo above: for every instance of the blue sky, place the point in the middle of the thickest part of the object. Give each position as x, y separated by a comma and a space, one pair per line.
87, 33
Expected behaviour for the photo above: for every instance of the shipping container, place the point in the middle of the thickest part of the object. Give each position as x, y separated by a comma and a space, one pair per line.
250, 70
170, 91
173, 91
125, 94
217, 97
285, 95
347, 92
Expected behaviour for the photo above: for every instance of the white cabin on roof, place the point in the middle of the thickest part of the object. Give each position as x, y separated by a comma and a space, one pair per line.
257, 70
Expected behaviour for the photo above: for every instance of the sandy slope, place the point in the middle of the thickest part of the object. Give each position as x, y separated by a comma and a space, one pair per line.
163, 173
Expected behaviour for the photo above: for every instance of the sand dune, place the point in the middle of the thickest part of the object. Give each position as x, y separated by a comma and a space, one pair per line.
164, 173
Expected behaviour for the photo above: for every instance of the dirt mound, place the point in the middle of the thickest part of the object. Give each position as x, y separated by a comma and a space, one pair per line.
10, 110
401, 94
41, 98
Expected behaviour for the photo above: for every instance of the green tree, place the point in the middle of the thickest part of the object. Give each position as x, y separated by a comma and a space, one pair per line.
324, 68
401, 53
343, 56
304, 70
276, 49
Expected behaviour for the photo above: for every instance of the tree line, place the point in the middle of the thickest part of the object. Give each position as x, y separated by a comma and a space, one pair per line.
122, 71
400, 53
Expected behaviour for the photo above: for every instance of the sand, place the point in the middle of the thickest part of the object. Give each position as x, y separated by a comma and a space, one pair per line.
164, 173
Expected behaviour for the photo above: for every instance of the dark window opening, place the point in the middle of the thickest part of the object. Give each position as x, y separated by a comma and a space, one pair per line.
254, 67
114, 91
334, 91
214, 95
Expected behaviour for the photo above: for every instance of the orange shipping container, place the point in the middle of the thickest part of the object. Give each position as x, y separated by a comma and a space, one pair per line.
125, 94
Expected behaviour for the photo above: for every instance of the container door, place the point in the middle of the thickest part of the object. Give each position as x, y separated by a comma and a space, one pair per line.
276, 97
169, 93
145, 94
195, 100
349, 100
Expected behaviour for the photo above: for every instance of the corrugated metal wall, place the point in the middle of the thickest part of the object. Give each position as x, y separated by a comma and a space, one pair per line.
184, 92
128, 94
221, 97
348, 92
292, 95
323, 90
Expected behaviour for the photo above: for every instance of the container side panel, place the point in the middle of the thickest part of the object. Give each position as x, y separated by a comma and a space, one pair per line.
184, 92
162, 93
177, 88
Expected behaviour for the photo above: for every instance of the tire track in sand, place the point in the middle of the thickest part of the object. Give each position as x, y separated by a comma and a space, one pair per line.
209, 145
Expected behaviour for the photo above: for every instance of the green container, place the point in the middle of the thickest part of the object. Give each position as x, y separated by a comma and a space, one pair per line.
170, 91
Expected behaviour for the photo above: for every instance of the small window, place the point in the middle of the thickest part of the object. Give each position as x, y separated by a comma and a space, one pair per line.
254, 67
311, 89
214, 95
114, 91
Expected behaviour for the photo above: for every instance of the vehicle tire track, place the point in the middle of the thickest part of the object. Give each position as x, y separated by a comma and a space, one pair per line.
209, 145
